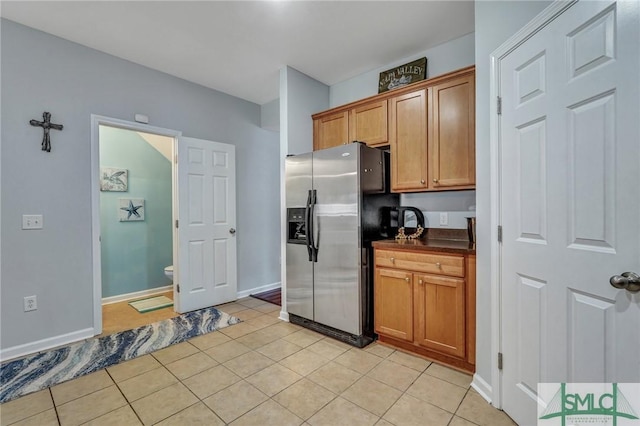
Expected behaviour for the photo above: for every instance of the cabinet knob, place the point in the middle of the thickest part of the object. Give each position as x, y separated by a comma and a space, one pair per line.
421, 180
438, 265
406, 279
435, 180
392, 259
419, 281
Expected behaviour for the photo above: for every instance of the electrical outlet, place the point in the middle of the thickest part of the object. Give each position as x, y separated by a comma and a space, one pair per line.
444, 218
30, 303
31, 221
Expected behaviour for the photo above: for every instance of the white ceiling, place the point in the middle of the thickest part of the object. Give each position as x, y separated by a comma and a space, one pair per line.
238, 47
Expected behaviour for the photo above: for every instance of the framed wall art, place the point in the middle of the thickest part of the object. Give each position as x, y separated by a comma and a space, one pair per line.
113, 179
131, 209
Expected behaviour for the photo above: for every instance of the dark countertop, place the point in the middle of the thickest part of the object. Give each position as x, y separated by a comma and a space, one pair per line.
428, 244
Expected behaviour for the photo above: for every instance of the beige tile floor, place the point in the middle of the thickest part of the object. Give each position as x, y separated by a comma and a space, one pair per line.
262, 372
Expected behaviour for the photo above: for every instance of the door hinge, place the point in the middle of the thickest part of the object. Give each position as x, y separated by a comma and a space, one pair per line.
178, 286
176, 223
499, 233
175, 159
499, 105
499, 360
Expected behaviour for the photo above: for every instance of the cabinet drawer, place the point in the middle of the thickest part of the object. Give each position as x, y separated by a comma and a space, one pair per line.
441, 264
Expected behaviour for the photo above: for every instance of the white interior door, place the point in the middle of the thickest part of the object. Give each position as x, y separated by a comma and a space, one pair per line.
569, 141
206, 273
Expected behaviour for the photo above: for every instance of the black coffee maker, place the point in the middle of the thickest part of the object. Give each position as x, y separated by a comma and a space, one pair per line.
394, 218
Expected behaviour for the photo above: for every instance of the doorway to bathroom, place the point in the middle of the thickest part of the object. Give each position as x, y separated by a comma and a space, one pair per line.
203, 219
136, 225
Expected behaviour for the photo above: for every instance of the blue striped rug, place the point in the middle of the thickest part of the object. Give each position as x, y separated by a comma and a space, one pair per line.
45, 369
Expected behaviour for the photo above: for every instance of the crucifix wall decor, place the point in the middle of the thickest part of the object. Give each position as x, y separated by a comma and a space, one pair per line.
46, 124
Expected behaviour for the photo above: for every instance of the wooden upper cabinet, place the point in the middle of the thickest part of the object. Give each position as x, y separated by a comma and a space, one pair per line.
408, 140
429, 126
331, 130
452, 133
368, 123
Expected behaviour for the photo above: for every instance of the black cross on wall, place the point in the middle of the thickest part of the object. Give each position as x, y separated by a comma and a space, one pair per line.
46, 124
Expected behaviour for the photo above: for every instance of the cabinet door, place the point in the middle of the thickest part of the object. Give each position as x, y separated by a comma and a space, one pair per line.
408, 140
452, 133
440, 314
393, 302
331, 130
368, 123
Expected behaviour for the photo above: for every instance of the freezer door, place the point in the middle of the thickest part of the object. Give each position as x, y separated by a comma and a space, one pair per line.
298, 170
299, 291
337, 237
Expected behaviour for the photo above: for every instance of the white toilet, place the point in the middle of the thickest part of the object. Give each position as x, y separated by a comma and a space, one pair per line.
168, 271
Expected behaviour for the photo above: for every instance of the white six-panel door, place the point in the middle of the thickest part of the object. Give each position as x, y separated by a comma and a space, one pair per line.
569, 197
206, 272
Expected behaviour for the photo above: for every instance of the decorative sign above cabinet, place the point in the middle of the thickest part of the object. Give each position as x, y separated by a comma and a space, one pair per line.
403, 75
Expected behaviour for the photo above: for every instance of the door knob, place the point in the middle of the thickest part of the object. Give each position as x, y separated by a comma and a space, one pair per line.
629, 281
232, 231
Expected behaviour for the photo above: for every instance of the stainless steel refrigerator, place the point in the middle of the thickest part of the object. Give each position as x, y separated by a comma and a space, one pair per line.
334, 200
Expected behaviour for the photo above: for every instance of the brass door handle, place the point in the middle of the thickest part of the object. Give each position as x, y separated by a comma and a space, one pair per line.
629, 281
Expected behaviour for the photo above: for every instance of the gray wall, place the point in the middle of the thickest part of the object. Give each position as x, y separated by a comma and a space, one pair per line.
303, 97
45, 73
270, 115
441, 59
495, 22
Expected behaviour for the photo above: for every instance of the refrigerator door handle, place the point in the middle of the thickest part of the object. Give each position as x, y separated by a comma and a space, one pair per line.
308, 227
312, 217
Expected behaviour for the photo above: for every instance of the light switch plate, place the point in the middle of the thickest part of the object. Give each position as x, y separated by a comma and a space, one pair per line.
32, 221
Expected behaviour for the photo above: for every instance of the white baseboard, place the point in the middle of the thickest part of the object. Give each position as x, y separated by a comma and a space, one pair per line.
284, 316
245, 293
482, 387
136, 294
44, 344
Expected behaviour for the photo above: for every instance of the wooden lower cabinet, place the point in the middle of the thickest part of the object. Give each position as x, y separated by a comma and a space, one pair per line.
393, 293
431, 315
439, 310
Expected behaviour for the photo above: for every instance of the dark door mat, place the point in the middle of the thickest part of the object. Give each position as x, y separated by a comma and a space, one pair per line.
271, 296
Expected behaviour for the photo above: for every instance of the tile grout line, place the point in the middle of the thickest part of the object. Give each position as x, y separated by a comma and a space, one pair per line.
124, 396
55, 408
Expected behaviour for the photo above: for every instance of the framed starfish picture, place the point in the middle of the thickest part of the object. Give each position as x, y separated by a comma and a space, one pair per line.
113, 179
131, 209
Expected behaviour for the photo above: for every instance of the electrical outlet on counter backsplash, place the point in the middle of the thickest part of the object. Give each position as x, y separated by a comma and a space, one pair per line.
456, 219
